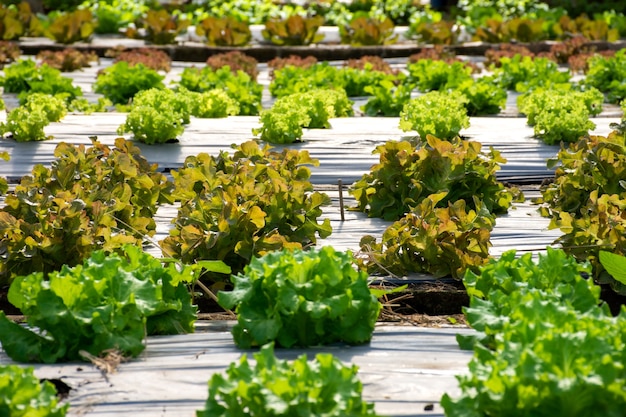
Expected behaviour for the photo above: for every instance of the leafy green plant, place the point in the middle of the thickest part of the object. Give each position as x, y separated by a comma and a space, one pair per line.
25, 76
67, 60
614, 264
535, 102
555, 273
429, 74
224, 31
284, 121
239, 86
386, 99
152, 125
26, 125
82, 105
607, 74
523, 73
152, 58
406, 175
436, 113
24, 395
91, 198
593, 29
235, 207
70, 27
282, 127
560, 115
109, 302
293, 30
114, 15
121, 81
546, 318
600, 227
356, 80
54, 107
236, 60
518, 29
594, 163
301, 298
159, 115
276, 387
367, 30
17, 21
441, 32
438, 241
295, 79
161, 27
484, 96
213, 104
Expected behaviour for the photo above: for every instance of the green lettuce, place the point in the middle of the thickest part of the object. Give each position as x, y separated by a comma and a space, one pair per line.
302, 298
108, 302
274, 387
22, 395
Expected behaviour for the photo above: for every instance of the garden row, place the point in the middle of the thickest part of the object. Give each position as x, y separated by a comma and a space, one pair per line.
359, 22
558, 108
540, 324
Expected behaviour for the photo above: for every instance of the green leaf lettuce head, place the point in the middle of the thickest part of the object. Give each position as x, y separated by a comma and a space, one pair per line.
23, 395
275, 387
105, 303
302, 298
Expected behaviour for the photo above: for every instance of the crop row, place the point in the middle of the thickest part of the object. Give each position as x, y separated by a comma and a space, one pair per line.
359, 22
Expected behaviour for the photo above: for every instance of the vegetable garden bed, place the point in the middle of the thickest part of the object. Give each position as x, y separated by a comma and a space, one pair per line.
338, 160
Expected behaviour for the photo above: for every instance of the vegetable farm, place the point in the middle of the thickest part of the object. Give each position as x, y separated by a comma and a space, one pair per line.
368, 208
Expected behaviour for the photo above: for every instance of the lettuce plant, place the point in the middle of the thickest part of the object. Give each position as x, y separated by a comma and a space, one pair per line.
435, 74
240, 86
153, 125
523, 73
70, 27
386, 99
301, 298
368, 30
89, 199
67, 60
296, 79
22, 394
121, 81
484, 96
607, 74
543, 317
406, 175
443, 241
25, 75
436, 113
26, 123
284, 121
236, 207
537, 101
356, 80
294, 30
108, 302
275, 387
224, 31
161, 27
